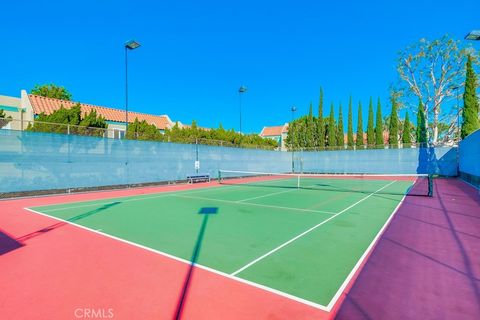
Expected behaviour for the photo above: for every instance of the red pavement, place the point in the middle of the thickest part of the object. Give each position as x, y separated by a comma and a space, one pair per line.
426, 266
51, 270
427, 263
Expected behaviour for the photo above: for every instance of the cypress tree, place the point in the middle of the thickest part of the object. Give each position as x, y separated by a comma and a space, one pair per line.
350, 125
470, 102
379, 127
406, 137
370, 128
393, 127
359, 141
340, 133
332, 138
310, 129
320, 123
421, 132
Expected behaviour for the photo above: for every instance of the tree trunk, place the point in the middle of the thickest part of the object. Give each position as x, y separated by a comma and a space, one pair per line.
436, 111
425, 109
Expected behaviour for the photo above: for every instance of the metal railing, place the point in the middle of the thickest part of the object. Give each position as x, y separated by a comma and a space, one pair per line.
70, 129
372, 147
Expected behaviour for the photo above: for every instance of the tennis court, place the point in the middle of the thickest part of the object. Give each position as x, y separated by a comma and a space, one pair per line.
299, 236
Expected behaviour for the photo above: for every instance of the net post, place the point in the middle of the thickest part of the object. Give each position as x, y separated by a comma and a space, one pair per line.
298, 181
430, 185
219, 176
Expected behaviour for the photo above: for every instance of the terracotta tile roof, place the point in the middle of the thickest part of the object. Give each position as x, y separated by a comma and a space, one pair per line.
274, 131
49, 105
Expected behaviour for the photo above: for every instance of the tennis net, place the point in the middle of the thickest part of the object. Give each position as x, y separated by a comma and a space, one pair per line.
402, 184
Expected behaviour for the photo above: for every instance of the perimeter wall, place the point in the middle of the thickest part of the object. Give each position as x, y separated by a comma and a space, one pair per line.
469, 165
43, 161
440, 160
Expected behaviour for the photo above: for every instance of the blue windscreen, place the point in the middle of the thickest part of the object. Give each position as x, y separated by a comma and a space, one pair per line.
470, 155
44, 161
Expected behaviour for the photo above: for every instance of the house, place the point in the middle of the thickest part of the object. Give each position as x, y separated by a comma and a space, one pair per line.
277, 133
25, 109
12, 108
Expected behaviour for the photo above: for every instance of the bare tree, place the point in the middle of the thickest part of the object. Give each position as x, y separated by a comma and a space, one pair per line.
431, 71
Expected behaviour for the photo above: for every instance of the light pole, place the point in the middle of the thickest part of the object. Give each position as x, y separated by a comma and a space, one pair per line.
129, 45
241, 91
293, 109
473, 35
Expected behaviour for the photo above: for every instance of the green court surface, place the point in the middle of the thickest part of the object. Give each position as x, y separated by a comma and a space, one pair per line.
304, 242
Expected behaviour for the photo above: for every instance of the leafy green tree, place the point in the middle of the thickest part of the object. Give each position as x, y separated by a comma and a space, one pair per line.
301, 132
320, 123
393, 126
218, 137
52, 91
296, 138
71, 115
421, 132
350, 125
332, 134
429, 70
141, 130
406, 134
379, 142
470, 102
290, 140
4, 120
340, 132
92, 120
310, 129
70, 120
359, 140
370, 128
444, 130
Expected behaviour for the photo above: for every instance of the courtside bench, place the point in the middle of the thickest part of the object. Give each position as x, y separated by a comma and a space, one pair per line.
204, 177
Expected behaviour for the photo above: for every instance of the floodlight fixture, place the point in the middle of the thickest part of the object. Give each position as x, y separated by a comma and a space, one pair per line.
473, 35
132, 44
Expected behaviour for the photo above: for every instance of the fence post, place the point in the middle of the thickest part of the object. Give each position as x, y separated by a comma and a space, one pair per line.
68, 129
196, 156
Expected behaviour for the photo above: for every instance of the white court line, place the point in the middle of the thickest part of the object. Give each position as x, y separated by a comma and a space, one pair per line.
327, 308
267, 195
253, 204
307, 231
151, 196
226, 275
363, 257
136, 198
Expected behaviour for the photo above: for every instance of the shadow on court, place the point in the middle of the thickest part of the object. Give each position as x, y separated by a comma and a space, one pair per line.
418, 189
8, 243
206, 212
427, 251
62, 223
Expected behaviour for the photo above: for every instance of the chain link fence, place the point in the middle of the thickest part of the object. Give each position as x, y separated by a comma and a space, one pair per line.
79, 157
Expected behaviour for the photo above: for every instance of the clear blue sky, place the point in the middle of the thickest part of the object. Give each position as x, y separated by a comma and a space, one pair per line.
196, 54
